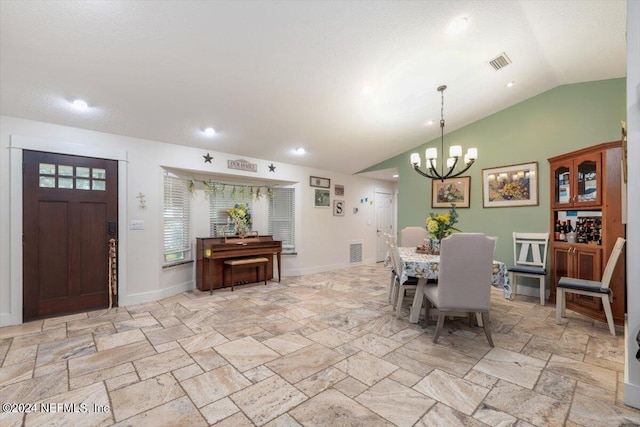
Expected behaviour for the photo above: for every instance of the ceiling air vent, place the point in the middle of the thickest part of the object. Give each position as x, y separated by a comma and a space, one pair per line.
500, 62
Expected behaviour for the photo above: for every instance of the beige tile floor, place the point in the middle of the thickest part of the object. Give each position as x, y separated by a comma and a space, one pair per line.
320, 350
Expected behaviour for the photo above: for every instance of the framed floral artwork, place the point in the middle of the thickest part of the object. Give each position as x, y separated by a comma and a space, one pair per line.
451, 191
508, 186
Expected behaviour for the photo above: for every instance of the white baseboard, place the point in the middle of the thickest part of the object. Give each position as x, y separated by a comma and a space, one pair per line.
9, 319
632, 395
143, 297
532, 291
323, 268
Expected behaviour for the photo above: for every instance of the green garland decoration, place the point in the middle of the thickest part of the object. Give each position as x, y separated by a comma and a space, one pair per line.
233, 191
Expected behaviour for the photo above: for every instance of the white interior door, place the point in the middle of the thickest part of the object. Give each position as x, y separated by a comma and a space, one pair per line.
384, 222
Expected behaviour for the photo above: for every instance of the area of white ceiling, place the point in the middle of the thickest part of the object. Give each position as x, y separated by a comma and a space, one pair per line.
270, 76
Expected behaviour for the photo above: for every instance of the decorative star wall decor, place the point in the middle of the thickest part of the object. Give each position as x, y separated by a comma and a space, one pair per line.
207, 158
272, 168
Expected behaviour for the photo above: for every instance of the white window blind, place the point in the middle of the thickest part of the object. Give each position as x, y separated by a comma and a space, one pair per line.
282, 218
177, 242
221, 200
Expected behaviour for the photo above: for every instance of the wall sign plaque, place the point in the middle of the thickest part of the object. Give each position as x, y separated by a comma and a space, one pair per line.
242, 165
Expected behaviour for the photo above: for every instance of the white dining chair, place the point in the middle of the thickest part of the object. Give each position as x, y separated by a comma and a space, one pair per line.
400, 289
591, 288
530, 260
413, 236
388, 241
464, 280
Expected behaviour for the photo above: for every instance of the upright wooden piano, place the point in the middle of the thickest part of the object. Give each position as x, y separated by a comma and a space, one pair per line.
211, 252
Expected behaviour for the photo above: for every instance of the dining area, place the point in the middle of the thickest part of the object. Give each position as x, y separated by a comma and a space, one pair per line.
450, 278
425, 267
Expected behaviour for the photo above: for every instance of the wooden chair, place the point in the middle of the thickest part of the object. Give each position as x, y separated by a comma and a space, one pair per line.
591, 288
413, 236
530, 260
464, 279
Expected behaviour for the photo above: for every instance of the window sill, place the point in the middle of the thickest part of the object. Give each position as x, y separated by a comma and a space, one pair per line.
176, 264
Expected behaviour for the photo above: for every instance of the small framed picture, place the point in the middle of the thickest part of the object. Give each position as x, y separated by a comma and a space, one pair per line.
338, 207
508, 186
316, 181
338, 190
451, 191
322, 198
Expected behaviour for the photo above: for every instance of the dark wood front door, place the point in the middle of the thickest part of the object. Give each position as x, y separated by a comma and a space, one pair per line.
70, 207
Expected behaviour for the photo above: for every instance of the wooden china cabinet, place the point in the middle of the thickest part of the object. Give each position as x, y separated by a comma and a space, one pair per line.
586, 197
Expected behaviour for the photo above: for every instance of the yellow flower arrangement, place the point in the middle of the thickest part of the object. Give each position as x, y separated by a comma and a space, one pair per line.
240, 217
440, 226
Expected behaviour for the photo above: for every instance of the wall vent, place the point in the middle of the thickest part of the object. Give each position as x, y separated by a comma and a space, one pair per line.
500, 62
355, 251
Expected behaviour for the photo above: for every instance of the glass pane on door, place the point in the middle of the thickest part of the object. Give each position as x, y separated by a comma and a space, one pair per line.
563, 185
587, 181
82, 172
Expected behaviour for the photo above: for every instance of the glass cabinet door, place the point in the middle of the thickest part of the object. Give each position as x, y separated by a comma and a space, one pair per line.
588, 178
562, 179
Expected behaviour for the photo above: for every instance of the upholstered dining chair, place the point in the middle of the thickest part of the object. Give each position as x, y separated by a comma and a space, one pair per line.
530, 260
413, 236
464, 279
591, 288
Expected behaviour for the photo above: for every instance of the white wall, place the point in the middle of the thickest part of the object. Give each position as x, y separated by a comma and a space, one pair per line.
632, 366
322, 240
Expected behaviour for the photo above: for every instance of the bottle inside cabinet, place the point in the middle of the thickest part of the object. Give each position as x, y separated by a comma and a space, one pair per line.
578, 227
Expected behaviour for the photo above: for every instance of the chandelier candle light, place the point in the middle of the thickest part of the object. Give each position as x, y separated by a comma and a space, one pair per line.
455, 151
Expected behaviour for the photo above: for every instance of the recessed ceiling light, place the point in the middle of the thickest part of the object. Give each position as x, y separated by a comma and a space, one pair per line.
511, 84
299, 151
209, 131
367, 90
429, 123
458, 27
80, 105
395, 176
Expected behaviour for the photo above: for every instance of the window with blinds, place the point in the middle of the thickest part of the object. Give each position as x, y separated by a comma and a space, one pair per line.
221, 200
282, 218
176, 214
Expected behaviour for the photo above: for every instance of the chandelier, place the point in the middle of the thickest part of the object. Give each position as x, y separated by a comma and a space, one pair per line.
455, 151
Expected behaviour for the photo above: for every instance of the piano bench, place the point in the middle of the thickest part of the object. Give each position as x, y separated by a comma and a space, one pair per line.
239, 263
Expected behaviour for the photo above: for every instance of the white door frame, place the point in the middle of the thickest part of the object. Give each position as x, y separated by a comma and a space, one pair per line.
379, 234
19, 143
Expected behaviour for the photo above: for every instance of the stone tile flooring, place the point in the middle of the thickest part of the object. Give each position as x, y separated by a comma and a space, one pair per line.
319, 350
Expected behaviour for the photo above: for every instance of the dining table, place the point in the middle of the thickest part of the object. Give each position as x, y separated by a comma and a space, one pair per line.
424, 266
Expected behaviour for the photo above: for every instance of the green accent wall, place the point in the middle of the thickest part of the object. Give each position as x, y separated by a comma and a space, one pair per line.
558, 121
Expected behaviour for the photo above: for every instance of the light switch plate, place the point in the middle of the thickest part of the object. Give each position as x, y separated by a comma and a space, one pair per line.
136, 225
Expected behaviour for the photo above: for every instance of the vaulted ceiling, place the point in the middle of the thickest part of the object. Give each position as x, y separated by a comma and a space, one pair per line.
352, 82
